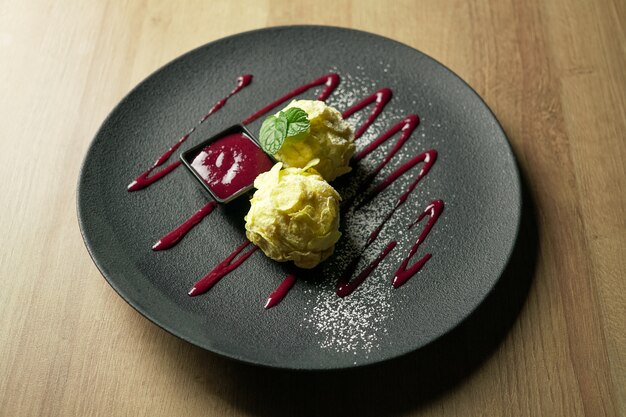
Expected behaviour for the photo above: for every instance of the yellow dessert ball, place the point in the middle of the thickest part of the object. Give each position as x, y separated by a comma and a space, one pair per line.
329, 139
294, 216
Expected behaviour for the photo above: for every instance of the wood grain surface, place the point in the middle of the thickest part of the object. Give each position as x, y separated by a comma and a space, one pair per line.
554, 73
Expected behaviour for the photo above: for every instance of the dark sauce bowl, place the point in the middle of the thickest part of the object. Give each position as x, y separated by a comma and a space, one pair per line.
227, 163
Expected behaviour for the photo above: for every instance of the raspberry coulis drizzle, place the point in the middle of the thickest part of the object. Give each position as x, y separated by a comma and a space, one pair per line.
329, 81
345, 286
380, 100
173, 237
279, 293
147, 177
231, 262
404, 272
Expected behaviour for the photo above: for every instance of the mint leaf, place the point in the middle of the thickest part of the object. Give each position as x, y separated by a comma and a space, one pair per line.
298, 121
275, 129
273, 133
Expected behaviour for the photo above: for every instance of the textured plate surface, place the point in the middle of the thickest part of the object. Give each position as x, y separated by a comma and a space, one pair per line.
475, 175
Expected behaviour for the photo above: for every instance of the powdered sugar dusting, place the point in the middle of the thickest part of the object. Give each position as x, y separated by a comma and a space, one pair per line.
351, 324
358, 323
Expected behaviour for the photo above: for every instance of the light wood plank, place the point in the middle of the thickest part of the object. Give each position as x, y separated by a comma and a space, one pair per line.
553, 72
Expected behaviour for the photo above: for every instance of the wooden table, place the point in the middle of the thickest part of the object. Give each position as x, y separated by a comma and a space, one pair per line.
554, 72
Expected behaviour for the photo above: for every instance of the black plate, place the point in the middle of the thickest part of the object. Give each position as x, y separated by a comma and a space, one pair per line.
475, 175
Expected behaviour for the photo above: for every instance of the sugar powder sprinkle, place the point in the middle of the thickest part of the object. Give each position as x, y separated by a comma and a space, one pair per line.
358, 323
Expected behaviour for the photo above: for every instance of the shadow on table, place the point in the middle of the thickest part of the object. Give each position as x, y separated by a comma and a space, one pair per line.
397, 385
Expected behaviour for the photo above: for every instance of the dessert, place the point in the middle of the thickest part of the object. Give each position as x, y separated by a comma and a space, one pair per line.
329, 139
294, 215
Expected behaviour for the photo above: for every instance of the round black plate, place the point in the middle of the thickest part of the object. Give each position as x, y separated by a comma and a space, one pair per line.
475, 175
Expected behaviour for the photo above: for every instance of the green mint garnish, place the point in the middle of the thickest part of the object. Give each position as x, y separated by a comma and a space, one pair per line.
298, 121
273, 133
275, 129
